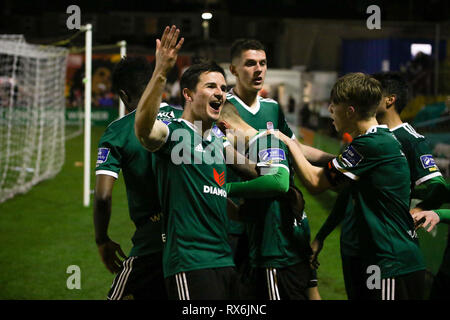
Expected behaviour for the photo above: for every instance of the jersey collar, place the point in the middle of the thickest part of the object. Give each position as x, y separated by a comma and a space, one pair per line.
373, 128
253, 110
399, 126
197, 129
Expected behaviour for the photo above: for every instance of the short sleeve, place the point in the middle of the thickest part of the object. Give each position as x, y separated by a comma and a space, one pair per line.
108, 155
422, 164
283, 125
271, 153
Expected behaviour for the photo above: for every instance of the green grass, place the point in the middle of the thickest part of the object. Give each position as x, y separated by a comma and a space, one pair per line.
47, 229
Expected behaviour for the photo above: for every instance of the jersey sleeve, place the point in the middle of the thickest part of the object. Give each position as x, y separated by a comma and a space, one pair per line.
283, 125
422, 164
270, 153
353, 162
109, 156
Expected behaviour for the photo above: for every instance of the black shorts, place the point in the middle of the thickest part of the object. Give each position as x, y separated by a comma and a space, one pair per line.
203, 284
288, 283
140, 278
410, 286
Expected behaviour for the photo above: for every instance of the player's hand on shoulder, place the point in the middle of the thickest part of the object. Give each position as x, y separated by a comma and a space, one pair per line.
109, 252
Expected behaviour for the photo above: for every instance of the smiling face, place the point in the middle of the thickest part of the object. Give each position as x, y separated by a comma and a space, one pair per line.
250, 69
207, 100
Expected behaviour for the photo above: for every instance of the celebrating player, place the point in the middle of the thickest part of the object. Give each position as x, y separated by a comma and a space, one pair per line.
278, 243
380, 216
140, 275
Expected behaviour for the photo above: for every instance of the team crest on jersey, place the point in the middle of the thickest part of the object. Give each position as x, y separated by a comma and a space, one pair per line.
102, 155
351, 156
427, 161
272, 154
269, 125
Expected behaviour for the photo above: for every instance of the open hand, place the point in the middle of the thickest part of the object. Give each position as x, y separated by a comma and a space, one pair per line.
426, 219
167, 49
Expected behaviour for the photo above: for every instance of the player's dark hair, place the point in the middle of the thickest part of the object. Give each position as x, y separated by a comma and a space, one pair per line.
131, 75
242, 45
393, 83
358, 90
191, 76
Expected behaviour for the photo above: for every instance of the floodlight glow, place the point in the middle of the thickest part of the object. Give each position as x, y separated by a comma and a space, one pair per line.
420, 47
207, 15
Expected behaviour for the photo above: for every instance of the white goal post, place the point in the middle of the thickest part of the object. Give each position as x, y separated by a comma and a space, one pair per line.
32, 119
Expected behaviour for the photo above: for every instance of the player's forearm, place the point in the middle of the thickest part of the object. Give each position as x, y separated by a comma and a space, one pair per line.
270, 185
333, 220
148, 107
315, 156
444, 215
241, 165
435, 194
102, 215
309, 175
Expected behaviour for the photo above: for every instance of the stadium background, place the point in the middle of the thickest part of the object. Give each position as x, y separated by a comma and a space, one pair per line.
308, 45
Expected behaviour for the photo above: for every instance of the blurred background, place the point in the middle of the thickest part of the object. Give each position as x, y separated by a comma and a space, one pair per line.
309, 44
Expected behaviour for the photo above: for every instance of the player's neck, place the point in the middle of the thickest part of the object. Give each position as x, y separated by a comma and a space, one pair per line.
361, 126
248, 97
391, 119
195, 121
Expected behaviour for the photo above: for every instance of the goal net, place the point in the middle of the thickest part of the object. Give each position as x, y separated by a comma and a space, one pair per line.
32, 104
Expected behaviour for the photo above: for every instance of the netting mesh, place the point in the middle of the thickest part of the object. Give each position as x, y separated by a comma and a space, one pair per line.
32, 144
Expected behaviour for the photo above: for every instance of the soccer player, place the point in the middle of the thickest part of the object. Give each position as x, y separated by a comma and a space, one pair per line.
140, 275
423, 171
375, 170
197, 258
249, 66
278, 243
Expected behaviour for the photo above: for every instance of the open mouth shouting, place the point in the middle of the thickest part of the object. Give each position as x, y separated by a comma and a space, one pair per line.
258, 80
215, 105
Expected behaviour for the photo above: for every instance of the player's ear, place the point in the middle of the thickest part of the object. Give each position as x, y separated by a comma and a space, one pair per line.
351, 111
187, 95
233, 69
390, 100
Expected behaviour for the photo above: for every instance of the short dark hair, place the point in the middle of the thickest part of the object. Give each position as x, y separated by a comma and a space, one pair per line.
396, 84
131, 75
241, 45
191, 76
358, 90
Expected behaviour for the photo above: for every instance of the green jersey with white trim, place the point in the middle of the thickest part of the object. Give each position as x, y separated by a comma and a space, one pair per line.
267, 114
418, 153
381, 192
191, 174
276, 239
119, 149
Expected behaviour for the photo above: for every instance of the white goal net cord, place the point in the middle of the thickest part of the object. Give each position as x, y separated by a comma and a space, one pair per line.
32, 119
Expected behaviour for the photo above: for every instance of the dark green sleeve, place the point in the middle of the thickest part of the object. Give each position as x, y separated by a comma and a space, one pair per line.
444, 215
336, 216
434, 194
282, 124
265, 186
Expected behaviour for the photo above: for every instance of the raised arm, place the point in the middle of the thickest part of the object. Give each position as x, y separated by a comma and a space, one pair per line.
151, 132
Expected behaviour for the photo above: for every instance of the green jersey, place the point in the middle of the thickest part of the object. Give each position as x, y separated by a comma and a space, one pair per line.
417, 151
381, 192
276, 239
191, 174
267, 114
422, 168
119, 149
